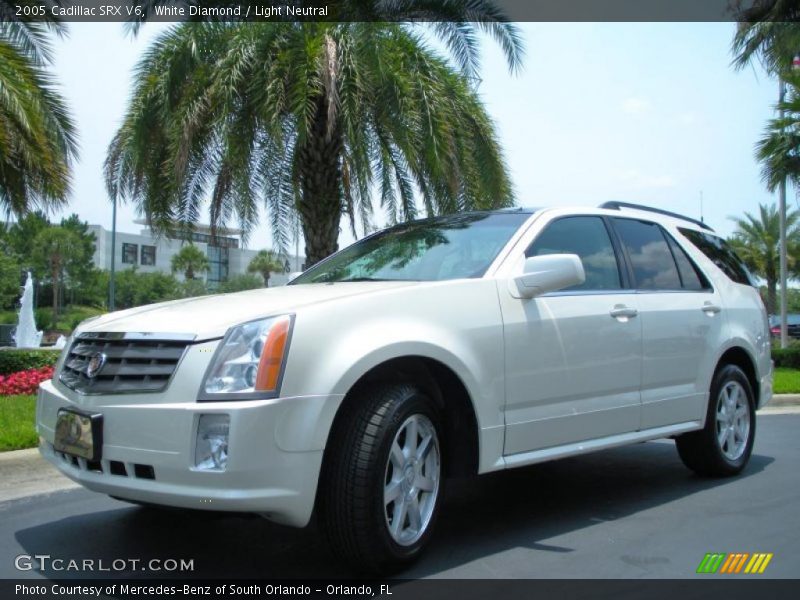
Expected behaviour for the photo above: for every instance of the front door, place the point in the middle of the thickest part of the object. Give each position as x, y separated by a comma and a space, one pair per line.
573, 358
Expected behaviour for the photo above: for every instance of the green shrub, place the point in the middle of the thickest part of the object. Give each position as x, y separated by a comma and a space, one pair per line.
74, 315
787, 357
240, 283
13, 360
43, 317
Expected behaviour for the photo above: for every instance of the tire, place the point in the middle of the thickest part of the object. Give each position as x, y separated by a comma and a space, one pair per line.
702, 451
369, 461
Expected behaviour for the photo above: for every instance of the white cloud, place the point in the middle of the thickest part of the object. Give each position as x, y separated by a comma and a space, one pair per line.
636, 105
687, 118
633, 179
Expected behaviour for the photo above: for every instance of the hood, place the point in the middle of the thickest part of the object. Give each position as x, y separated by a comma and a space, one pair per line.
211, 316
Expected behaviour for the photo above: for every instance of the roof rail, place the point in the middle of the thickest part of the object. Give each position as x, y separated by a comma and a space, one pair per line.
614, 205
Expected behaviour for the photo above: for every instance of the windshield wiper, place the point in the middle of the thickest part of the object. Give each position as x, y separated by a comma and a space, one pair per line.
362, 279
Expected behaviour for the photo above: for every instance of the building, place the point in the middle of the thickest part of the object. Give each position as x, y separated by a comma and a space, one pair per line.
149, 253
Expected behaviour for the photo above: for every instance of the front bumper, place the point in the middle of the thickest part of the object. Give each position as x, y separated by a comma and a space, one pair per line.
274, 453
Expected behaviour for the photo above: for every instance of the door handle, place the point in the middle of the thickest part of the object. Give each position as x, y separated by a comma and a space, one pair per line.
620, 311
711, 309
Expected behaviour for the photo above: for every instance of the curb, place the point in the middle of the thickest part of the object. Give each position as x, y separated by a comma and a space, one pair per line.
25, 473
785, 400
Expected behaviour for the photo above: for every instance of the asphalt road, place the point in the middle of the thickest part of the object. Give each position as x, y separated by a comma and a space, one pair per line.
626, 513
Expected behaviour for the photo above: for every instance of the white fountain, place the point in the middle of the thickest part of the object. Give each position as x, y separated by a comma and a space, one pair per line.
27, 336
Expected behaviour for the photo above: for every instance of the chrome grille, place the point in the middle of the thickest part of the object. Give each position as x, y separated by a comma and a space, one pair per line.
130, 365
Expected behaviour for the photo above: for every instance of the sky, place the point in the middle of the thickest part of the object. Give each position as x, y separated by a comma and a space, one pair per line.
650, 113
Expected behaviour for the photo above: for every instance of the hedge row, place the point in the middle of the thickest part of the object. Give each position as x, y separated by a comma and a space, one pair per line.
13, 360
787, 357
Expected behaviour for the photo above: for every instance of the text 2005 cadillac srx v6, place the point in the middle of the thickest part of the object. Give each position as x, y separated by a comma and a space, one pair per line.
442, 347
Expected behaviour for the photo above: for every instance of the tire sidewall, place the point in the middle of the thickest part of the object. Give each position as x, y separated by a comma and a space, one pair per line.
415, 402
721, 378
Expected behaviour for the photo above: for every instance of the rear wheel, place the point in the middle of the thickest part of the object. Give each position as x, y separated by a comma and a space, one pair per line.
382, 480
723, 447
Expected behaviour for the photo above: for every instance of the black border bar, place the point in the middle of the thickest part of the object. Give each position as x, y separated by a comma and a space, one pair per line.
700, 588
372, 10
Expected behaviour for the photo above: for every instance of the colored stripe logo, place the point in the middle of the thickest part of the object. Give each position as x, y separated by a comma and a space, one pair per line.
735, 562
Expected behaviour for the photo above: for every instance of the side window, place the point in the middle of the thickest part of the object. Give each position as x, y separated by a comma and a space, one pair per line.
148, 255
130, 254
691, 278
652, 262
588, 238
721, 254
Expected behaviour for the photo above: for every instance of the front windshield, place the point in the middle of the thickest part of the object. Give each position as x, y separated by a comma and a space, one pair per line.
452, 247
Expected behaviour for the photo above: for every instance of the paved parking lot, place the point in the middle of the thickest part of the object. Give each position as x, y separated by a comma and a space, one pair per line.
625, 513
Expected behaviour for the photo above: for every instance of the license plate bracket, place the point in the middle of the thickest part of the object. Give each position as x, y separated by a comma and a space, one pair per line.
79, 434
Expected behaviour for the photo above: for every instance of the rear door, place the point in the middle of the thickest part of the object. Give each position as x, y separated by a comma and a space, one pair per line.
681, 317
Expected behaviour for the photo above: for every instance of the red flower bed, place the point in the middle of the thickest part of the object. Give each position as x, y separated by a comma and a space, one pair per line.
24, 382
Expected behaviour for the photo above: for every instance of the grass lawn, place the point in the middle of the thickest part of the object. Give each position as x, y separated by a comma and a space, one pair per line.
786, 381
17, 417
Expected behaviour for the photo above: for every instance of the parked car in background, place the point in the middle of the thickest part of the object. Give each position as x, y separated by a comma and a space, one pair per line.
792, 325
444, 347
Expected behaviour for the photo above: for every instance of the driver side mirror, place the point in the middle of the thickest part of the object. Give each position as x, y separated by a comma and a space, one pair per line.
547, 273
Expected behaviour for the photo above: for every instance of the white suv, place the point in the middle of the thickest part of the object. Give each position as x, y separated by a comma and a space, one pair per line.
442, 347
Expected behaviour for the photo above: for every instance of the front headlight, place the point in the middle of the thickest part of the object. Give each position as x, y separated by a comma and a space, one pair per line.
249, 361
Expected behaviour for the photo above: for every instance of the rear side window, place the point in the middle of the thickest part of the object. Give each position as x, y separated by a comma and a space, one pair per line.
588, 238
691, 277
651, 259
721, 254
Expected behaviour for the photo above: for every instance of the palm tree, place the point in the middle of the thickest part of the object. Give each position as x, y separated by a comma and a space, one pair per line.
311, 117
756, 240
54, 248
768, 31
778, 150
264, 263
190, 260
37, 136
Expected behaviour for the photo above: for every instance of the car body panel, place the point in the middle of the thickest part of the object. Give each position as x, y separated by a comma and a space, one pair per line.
546, 377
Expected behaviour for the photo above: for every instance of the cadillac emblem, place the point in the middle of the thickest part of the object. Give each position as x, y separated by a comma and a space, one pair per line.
95, 365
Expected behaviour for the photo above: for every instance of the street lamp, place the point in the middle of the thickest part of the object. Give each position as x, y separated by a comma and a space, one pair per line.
782, 216
782, 223
111, 290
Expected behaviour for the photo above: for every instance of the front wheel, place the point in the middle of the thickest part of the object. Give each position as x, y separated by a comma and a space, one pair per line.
382, 479
723, 447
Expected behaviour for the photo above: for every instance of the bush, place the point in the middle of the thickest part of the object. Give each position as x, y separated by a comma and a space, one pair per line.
135, 289
74, 315
787, 357
191, 288
68, 319
240, 283
14, 360
43, 317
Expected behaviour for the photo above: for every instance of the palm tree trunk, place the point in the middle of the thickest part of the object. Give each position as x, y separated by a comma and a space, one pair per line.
320, 204
56, 287
772, 296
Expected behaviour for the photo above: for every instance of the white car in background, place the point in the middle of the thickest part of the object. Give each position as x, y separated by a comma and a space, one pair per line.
443, 347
